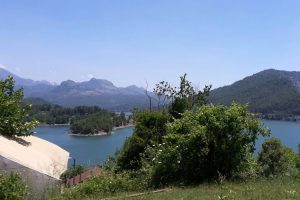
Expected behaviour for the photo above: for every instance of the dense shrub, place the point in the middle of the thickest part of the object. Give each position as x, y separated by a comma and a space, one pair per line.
150, 129
207, 142
275, 159
248, 169
12, 187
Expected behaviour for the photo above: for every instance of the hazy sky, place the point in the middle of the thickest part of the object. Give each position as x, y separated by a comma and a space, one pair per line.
131, 41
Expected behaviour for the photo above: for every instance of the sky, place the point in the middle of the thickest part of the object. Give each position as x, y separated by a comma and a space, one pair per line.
133, 41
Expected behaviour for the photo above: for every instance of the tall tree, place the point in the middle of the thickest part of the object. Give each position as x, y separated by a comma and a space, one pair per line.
12, 113
185, 97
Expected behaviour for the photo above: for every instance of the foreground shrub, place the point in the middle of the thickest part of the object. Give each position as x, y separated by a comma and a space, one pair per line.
206, 143
12, 187
275, 159
107, 185
150, 129
248, 169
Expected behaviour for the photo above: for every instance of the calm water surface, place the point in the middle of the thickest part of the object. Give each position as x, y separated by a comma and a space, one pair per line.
287, 132
86, 150
95, 150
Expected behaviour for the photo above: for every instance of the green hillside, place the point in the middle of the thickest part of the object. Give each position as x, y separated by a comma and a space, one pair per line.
267, 92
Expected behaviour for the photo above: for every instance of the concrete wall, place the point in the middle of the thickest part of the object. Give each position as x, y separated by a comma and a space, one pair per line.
38, 182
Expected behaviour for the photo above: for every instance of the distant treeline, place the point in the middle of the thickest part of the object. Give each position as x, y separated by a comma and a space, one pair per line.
83, 119
279, 116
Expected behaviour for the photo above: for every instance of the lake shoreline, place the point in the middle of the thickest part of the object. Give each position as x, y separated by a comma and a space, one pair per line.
102, 133
52, 125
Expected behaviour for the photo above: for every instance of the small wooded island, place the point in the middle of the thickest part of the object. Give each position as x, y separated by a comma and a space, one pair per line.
83, 120
101, 123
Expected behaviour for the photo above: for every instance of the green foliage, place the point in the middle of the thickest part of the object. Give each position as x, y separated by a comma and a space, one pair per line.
72, 172
12, 187
178, 107
185, 97
107, 185
47, 113
130, 156
150, 129
248, 169
297, 159
120, 120
13, 114
207, 142
151, 126
275, 159
92, 124
83, 119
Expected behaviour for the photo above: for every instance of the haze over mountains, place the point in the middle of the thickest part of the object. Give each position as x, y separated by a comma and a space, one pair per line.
267, 92
98, 92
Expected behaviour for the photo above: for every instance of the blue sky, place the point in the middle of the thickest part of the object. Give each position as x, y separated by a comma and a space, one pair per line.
131, 41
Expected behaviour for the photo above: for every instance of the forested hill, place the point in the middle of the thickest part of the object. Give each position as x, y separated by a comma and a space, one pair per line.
268, 92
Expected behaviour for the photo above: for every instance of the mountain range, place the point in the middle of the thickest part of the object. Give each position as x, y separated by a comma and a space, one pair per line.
69, 93
268, 92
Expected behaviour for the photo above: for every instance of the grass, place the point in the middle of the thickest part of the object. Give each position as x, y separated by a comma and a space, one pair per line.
263, 189
281, 188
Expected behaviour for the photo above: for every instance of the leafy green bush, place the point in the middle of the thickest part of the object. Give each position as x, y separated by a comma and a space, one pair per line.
275, 159
150, 129
12, 187
207, 142
248, 169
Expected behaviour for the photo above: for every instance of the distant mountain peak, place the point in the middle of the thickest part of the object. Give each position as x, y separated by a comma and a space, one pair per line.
101, 81
21, 81
68, 83
95, 91
136, 88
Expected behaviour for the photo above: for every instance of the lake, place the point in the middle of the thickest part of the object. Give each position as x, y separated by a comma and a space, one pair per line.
85, 150
95, 150
287, 132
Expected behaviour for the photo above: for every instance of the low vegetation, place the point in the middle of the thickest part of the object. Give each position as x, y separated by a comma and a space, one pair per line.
107, 185
12, 187
260, 189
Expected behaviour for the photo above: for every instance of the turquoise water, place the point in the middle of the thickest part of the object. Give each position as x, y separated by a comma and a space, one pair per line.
95, 150
85, 150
